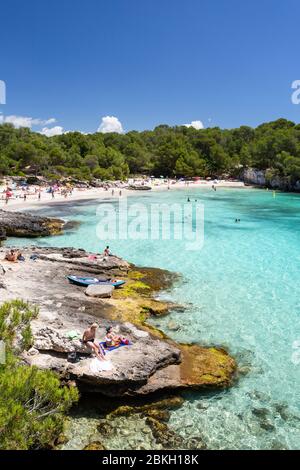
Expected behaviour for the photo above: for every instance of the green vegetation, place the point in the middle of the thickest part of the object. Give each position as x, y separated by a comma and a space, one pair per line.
168, 151
32, 402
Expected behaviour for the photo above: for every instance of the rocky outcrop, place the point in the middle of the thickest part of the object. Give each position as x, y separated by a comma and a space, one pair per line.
131, 366
80, 259
270, 179
152, 363
100, 292
253, 176
139, 188
21, 224
2, 234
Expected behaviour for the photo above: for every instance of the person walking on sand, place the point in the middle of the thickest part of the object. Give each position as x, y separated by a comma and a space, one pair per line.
89, 338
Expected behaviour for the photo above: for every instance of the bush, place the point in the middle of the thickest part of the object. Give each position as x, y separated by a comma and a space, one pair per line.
32, 402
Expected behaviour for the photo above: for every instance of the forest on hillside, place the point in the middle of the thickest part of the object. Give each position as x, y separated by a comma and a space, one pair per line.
166, 151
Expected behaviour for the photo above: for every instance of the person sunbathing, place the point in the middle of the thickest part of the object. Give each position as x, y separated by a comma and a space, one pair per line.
12, 256
112, 340
89, 338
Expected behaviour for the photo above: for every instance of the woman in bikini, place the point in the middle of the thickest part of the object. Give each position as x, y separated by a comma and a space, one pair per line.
113, 340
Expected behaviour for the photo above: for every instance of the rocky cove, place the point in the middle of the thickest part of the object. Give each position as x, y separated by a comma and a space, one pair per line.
147, 377
269, 179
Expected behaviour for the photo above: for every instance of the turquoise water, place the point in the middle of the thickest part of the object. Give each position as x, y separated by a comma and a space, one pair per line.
242, 291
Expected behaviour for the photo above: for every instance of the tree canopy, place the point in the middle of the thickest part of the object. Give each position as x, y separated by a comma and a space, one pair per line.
168, 151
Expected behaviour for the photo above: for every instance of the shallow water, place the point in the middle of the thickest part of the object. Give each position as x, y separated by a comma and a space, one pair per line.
242, 291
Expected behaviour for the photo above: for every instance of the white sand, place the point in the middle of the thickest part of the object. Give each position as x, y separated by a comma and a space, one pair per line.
100, 193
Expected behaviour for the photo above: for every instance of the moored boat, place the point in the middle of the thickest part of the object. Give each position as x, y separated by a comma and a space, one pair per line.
88, 281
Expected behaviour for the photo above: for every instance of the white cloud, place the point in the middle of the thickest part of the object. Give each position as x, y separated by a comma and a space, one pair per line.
195, 124
49, 121
19, 121
110, 124
51, 131
26, 121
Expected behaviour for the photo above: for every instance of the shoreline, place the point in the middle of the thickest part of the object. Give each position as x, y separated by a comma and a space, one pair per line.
160, 363
32, 202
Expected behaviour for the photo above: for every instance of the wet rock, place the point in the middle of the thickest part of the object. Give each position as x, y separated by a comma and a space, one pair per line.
169, 439
267, 425
202, 406
277, 445
282, 410
101, 292
261, 413
160, 415
72, 224
172, 326
95, 446
166, 404
244, 370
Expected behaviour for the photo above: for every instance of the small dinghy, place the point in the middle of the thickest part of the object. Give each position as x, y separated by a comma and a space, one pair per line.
89, 281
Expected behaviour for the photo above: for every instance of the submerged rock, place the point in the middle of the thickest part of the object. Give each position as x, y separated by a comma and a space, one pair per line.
95, 446
172, 326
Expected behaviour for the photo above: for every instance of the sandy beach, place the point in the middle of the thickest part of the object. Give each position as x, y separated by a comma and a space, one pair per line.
32, 201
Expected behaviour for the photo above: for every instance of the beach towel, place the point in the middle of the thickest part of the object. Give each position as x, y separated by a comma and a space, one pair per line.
112, 348
73, 335
97, 366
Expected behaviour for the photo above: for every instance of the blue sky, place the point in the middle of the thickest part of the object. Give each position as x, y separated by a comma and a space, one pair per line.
223, 62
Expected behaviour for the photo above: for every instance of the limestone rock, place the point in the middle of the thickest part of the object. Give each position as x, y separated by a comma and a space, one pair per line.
21, 224
132, 366
49, 339
153, 363
101, 292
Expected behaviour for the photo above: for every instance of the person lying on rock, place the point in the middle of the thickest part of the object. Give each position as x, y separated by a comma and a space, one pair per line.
89, 338
12, 256
113, 340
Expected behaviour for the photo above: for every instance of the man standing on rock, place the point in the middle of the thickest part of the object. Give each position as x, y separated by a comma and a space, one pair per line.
89, 338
